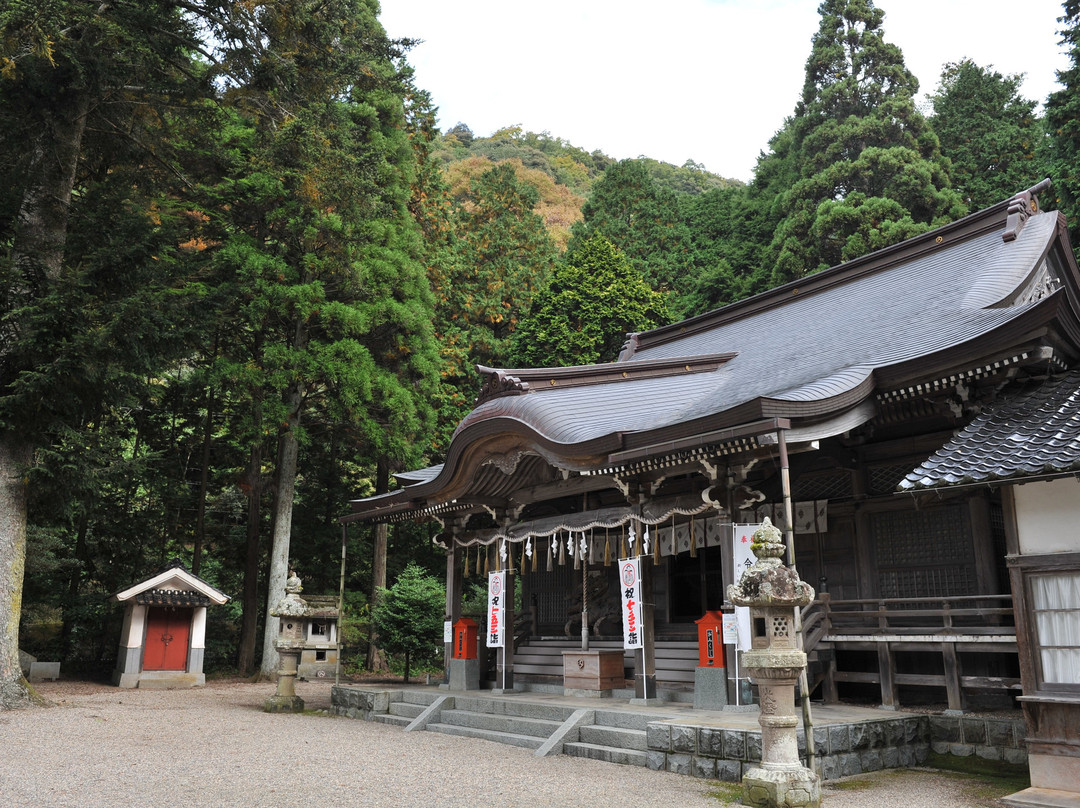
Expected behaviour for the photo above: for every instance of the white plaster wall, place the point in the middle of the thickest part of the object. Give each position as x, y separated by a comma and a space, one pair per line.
134, 626
1048, 516
198, 627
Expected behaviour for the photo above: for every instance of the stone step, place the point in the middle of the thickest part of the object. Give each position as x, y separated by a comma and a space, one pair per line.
511, 707
423, 697
625, 720
508, 738
614, 737
513, 724
610, 754
405, 709
393, 720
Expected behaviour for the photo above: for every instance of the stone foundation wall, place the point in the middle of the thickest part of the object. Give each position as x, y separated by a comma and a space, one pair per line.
352, 702
995, 739
842, 749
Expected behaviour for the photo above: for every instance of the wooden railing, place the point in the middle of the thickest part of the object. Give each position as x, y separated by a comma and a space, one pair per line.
949, 626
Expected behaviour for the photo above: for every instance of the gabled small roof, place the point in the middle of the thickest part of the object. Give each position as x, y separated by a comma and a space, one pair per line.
174, 577
1034, 434
998, 287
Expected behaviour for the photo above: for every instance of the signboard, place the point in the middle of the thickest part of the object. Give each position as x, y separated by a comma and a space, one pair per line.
630, 585
730, 629
496, 611
743, 558
447, 631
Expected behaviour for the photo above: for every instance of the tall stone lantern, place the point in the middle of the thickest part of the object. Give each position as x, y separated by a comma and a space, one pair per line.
774, 662
290, 644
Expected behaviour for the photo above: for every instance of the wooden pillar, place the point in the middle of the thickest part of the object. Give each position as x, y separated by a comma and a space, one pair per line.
504, 666
454, 585
889, 696
645, 658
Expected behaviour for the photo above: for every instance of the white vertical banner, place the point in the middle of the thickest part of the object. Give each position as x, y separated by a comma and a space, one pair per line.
496, 631
742, 559
630, 580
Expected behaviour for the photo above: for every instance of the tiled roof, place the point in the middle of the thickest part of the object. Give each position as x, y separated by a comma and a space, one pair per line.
1034, 433
172, 597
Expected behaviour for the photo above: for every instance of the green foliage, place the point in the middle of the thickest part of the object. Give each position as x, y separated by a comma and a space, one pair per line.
592, 300
988, 131
857, 167
408, 617
730, 230
1063, 123
503, 255
641, 219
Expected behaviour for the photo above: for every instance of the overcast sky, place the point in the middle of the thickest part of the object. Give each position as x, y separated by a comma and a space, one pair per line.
707, 80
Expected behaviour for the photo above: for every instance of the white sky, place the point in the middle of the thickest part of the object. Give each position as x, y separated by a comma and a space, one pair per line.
708, 80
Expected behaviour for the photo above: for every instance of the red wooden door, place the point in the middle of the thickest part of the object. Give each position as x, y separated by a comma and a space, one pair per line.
167, 634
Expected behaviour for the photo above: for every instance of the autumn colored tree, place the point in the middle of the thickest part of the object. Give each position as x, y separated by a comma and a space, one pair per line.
582, 316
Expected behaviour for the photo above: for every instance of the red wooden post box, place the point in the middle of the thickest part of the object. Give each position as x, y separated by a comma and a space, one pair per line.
711, 640
465, 639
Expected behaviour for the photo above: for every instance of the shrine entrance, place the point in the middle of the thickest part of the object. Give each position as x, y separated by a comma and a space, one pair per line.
167, 636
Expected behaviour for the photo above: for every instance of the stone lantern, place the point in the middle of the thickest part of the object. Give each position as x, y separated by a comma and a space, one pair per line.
290, 610
774, 662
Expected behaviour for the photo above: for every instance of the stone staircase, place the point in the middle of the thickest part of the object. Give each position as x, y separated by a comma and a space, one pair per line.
615, 737
608, 735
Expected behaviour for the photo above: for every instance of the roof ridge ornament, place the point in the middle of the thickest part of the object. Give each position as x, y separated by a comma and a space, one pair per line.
498, 383
1022, 207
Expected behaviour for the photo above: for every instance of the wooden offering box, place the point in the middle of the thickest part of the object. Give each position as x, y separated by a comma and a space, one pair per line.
593, 670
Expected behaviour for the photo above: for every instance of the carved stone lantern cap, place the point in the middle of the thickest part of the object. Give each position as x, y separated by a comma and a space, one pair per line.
292, 605
768, 582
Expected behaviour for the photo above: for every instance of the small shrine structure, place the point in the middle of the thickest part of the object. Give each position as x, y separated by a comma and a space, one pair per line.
163, 640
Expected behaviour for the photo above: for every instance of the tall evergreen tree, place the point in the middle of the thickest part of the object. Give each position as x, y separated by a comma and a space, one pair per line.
503, 256
642, 220
592, 300
1063, 123
865, 167
69, 73
988, 131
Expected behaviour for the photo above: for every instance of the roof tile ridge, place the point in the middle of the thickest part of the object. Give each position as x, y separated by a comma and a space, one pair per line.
1000, 215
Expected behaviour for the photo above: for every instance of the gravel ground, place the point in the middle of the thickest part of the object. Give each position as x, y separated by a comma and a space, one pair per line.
213, 746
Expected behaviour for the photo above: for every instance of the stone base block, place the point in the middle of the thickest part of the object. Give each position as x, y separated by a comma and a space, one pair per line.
790, 788
464, 674
710, 688
284, 704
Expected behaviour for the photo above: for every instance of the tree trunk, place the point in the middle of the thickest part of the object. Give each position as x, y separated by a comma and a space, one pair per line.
376, 660
204, 484
39, 238
254, 483
14, 456
279, 551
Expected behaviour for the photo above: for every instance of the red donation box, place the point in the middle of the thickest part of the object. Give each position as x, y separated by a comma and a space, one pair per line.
711, 640
465, 639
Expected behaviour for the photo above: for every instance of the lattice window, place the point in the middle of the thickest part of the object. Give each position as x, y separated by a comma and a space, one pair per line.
884, 479
924, 553
781, 626
831, 485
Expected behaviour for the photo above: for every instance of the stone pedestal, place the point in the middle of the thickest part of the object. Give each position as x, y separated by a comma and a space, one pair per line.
285, 699
464, 674
710, 688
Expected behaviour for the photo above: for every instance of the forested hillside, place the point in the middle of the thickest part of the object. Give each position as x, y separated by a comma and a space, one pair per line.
245, 277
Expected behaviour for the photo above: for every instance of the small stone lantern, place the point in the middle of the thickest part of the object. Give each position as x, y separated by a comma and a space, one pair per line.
774, 662
291, 610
